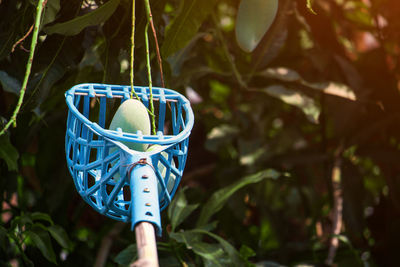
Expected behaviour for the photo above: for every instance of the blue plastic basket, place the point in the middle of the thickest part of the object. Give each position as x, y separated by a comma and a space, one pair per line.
121, 183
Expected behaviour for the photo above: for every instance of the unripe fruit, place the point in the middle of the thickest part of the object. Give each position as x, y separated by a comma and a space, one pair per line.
132, 116
253, 20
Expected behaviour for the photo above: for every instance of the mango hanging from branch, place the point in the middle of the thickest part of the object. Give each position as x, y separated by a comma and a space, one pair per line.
132, 116
253, 20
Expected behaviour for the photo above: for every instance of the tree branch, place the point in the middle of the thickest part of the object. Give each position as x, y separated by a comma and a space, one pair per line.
13, 119
337, 205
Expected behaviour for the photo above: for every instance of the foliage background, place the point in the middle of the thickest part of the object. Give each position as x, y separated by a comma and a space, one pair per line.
282, 135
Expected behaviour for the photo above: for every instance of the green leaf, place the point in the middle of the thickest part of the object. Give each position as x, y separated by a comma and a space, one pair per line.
294, 98
185, 26
234, 255
220, 136
179, 209
21, 221
282, 74
46, 82
210, 252
50, 11
8, 153
219, 198
59, 234
177, 60
254, 18
75, 26
3, 237
332, 88
289, 75
41, 240
185, 237
127, 256
36, 216
9, 84
246, 252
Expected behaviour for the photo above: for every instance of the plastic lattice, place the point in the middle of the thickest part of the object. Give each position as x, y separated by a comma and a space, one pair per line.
112, 178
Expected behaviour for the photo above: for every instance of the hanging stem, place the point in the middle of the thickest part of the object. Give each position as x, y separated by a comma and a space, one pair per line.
146, 37
153, 119
153, 29
13, 119
133, 52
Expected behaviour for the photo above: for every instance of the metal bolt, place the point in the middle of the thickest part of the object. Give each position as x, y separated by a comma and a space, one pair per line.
146, 190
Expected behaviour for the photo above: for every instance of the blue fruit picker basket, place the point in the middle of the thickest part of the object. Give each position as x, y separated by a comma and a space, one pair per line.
121, 183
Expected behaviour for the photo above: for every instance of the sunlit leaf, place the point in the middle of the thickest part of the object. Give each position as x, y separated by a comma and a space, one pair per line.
281, 73
289, 75
295, 98
219, 198
75, 26
332, 88
185, 26
220, 136
253, 20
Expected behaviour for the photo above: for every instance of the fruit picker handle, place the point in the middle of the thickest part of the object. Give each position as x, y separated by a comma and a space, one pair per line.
146, 245
145, 210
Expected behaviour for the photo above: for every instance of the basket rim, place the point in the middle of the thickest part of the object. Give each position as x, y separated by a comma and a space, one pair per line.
123, 91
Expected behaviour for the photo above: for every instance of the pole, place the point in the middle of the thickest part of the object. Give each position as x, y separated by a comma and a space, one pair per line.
146, 245
145, 211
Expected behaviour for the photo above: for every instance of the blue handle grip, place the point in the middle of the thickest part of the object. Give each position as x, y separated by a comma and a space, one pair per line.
143, 185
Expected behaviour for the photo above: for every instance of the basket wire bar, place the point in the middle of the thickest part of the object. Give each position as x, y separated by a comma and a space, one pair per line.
121, 183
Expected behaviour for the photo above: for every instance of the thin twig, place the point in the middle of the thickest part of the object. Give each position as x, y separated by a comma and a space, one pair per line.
337, 205
22, 39
153, 29
50, 65
146, 37
13, 119
133, 52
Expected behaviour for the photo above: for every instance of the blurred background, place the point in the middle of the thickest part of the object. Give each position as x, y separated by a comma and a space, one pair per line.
294, 156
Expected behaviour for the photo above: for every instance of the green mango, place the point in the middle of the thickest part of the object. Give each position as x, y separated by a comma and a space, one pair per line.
132, 116
253, 20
